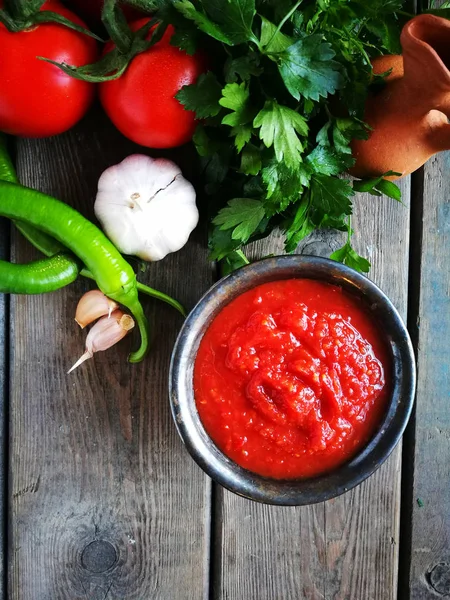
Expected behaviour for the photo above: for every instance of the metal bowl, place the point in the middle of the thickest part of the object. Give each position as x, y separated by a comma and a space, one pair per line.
291, 491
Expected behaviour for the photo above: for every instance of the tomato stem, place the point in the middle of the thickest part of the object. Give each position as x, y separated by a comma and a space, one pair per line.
127, 44
117, 27
19, 15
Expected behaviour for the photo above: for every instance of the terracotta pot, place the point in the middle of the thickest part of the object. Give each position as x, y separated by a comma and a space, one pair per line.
410, 116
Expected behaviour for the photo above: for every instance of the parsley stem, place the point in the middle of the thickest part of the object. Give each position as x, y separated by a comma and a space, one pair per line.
283, 21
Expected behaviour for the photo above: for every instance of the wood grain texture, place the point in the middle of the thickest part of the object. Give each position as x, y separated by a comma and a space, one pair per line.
105, 502
346, 548
430, 556
4, 376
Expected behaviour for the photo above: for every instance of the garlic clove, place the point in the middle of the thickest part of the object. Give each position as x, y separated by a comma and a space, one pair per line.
104, 334
92, 306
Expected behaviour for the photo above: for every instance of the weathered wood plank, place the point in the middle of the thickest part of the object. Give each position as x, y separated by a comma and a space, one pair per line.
346, 548
430, 539
105, 502
4, 369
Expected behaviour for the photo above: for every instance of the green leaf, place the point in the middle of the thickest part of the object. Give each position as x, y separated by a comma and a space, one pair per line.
325, 160
322, 137
235, 17
234, 260
279, 128
307, 69
185, 39
300, 226
221, 243
284, 186
203, 22
346, 129
349, 257
243, 67
250, 160
202, 142
235, 97
242, 134
330, 195
202, 97
387, 30
272, 40
217, 165
229, 21
388, 188
243, 215
378, 186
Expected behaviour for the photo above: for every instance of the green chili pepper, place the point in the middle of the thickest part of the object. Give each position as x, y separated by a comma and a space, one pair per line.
49, 246
114, 276
41, 241
39, 276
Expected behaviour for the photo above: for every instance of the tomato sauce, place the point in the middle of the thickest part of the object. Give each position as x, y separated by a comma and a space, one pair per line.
289, 378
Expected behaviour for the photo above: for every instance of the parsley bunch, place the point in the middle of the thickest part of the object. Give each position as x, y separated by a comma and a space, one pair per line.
278, 111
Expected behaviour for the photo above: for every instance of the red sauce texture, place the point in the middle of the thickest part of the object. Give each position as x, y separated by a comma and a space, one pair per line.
289, 378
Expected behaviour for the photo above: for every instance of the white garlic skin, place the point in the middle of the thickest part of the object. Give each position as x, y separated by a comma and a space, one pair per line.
146, 207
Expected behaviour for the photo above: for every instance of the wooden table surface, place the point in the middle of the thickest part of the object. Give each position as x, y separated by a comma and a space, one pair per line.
103, 501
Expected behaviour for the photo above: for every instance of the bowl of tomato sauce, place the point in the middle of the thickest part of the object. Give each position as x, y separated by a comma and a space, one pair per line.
292, 380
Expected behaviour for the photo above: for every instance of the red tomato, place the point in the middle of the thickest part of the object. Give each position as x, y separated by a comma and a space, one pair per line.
36, 98
142, 103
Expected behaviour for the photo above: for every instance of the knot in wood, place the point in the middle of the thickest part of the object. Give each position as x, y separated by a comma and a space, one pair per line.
99, 556
439, 578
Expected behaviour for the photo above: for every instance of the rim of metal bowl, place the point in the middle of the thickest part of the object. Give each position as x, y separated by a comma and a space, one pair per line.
291, 492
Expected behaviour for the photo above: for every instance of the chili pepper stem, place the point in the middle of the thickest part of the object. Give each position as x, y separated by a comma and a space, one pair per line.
145, 289
148, 291
138, 313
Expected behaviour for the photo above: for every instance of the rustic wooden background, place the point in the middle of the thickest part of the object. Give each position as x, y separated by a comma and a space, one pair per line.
103, 501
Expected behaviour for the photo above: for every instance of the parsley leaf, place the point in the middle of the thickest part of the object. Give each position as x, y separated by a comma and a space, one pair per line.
349, 257
307, 69
185, 35
272, 40
243, 215
331, 195
378, 186
242, 135
202, 97
202, 142
300, 226
229, 21
235, 97
284, 185
203, 22
325, 160
279, 126
346, 129
234, 260
221, 243
235, 17
243, 67
251, 160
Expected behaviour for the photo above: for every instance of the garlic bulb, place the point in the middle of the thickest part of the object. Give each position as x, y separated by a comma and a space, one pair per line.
93, 305
146, 207
105, 333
